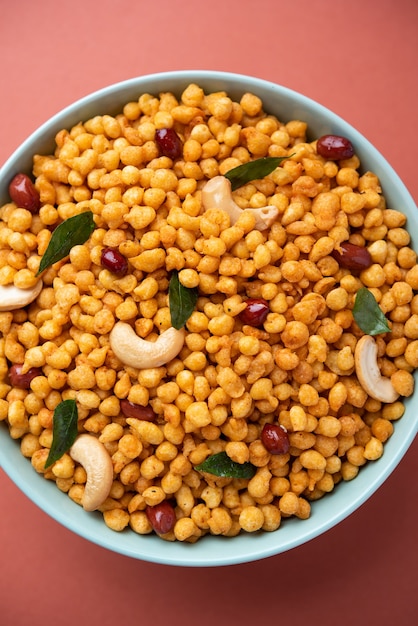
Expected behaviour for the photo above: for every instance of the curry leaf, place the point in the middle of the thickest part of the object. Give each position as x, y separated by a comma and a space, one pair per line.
71, 232
182, 301
368, 315
253, 170
221, 465
64, 430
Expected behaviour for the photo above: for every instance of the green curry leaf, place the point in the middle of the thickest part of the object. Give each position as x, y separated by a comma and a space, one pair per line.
71, 232
64, 430
253, 170
221, 465
182, 301
368, 315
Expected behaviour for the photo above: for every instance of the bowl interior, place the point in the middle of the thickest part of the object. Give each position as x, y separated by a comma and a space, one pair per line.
347, 497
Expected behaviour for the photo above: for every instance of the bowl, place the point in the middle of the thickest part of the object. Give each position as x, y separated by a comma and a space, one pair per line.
346, 497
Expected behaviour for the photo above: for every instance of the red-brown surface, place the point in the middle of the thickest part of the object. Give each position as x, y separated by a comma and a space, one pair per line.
358, 58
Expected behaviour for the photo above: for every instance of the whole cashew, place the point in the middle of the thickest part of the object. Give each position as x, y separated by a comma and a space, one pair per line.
217, 193
139, 353
377, 386
93, 456
11, 297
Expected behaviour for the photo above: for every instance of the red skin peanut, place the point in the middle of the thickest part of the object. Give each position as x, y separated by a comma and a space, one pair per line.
22, 381
130, 409
255, 312
334, 147
275, 439
352, 257
114, 261
23, 193
162, 517
169, 143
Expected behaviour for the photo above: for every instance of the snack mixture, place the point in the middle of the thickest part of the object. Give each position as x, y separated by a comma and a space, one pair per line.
180, 363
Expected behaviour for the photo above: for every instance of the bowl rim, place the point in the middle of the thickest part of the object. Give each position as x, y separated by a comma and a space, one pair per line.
215, 551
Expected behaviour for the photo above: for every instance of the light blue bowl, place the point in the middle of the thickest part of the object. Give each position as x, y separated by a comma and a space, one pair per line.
347, 497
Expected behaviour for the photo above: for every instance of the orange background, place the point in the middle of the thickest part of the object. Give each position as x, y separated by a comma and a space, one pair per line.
358, 58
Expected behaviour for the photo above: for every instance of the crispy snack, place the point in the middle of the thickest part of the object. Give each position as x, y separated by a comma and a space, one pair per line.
230, 374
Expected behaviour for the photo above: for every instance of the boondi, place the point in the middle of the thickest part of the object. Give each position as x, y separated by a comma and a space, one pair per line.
220, 315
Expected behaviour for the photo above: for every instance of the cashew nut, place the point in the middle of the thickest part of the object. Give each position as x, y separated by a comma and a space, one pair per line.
11, 297
377, 386
139, 353
93, 456
217, 193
